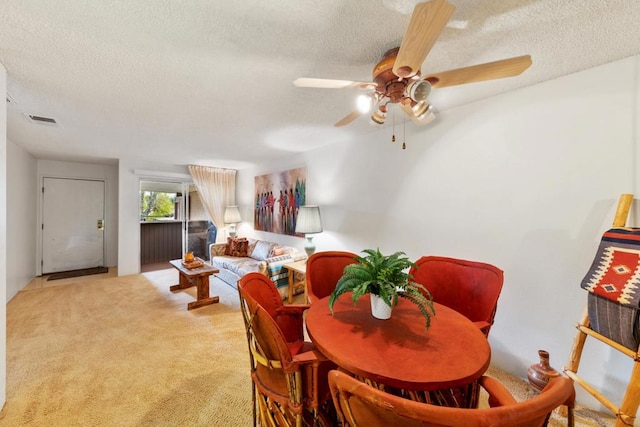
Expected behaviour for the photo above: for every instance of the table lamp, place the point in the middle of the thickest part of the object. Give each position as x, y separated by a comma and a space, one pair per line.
232, 217
308, 223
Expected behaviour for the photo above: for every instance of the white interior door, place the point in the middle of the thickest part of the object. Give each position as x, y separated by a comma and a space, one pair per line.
73, 224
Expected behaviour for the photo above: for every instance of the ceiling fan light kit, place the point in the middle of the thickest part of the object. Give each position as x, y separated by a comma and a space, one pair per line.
419, 90
364, 103
379, 116
397, 78
422, 110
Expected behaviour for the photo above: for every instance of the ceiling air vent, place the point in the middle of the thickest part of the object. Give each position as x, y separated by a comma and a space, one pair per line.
42, 119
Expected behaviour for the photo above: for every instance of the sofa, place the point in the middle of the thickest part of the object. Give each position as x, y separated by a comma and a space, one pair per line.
239, 256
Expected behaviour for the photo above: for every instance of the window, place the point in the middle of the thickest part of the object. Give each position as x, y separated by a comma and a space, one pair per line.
158, 206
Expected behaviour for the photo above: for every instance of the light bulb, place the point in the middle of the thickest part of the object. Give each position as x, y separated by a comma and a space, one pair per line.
363, 103
419, 90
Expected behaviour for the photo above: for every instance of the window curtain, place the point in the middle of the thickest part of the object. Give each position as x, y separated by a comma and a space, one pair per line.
217, 190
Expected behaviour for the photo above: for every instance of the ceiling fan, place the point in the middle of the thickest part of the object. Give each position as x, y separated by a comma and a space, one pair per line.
397, 78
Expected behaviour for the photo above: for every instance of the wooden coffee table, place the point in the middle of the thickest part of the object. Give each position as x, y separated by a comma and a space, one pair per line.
199, 277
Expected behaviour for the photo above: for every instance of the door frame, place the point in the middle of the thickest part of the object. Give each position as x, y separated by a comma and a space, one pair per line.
40, 215
183, 213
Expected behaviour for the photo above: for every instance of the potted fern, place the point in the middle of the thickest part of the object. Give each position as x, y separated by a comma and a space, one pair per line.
384, 277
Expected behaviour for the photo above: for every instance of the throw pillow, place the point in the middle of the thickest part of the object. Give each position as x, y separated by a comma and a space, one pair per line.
276, 251
261, 250
252, 244
239, 247
227, 249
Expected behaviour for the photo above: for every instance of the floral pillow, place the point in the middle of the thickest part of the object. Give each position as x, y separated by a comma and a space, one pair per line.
227, 248
238, 247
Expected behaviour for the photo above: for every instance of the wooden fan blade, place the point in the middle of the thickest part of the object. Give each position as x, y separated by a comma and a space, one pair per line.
481, 72
428, 118
348, 118
329, 83
427, 22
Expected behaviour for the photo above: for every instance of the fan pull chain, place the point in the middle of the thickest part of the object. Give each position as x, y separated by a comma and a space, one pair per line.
404, 127
393, 118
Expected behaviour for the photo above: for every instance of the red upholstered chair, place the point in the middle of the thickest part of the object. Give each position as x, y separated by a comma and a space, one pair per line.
359, 404
290, 378
324, 269
288, 317
471, 288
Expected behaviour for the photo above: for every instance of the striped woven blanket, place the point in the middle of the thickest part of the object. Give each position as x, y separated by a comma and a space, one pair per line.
615, 272
612, 281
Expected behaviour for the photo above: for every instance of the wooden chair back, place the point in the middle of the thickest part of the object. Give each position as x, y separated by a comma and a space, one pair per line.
289, 378
264, 292
360, 405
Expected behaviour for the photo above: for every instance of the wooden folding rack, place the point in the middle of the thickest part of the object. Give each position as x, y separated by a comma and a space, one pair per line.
626, 412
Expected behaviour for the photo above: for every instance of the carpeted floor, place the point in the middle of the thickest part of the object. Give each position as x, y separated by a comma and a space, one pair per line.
124, 351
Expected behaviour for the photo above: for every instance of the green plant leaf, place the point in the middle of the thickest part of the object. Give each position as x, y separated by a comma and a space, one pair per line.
385, 276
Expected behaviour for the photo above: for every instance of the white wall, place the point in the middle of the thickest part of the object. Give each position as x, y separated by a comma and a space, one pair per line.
22, 215
526, 181
108, 173
3, 240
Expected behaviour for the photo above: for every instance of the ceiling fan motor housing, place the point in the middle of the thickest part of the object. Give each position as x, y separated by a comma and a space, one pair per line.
389, 84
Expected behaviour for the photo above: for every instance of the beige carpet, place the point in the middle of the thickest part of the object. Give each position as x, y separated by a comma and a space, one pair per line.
124, 351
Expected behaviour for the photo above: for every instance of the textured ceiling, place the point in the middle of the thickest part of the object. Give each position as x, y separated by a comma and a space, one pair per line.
210, 82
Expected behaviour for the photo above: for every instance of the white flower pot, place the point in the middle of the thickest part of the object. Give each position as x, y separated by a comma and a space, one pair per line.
379, 308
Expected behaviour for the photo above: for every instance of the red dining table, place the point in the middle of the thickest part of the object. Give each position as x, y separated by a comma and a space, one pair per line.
448, 358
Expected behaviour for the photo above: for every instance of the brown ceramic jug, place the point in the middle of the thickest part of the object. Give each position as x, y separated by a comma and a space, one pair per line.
540, 374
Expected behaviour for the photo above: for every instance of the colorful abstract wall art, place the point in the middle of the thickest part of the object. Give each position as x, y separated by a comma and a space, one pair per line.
277, 199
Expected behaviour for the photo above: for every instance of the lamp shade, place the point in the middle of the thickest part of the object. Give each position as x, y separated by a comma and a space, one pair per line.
231, 215
308, 221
